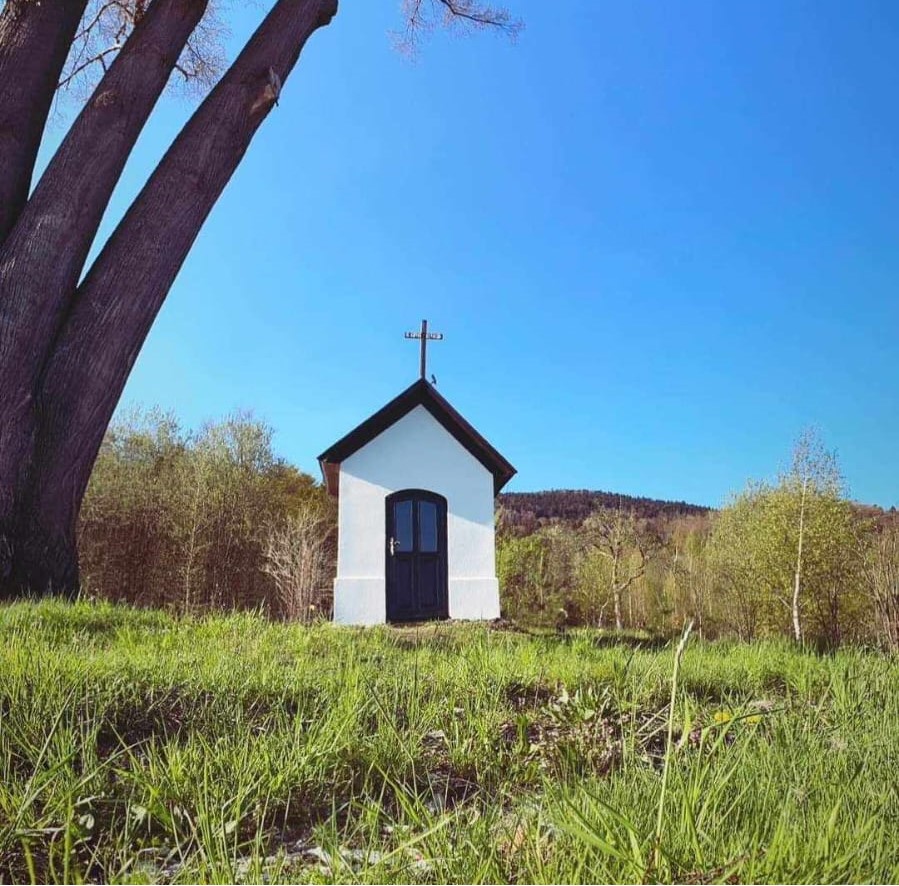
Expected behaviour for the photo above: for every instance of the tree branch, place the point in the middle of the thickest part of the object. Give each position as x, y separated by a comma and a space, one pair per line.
424, 16
109, 23
84, 65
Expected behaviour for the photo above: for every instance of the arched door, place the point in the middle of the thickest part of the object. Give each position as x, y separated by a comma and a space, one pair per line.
416, 556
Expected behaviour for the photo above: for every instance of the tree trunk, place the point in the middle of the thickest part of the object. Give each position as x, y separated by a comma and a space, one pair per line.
34, 42
62, 216
50, 550
124, 290
61, 220
616, 594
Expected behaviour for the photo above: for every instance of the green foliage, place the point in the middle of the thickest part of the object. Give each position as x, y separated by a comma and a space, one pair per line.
790, 557
521, 569
183, 519
754, 551
213, 520
592, 580
538, 577
139, 747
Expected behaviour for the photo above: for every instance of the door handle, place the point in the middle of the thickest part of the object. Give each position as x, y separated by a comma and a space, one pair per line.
394, 546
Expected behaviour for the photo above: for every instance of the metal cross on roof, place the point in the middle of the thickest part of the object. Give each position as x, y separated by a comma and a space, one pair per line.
424, 336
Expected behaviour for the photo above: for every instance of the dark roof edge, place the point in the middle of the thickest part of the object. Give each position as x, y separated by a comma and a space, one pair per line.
419, 393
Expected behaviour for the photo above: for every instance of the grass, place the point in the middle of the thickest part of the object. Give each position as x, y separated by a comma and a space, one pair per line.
140, 748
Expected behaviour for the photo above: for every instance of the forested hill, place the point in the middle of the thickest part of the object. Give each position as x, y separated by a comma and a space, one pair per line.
574, 505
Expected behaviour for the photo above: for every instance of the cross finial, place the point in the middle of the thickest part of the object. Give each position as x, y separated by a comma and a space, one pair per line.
424, 336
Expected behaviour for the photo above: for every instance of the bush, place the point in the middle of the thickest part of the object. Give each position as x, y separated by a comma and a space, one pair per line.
189, 521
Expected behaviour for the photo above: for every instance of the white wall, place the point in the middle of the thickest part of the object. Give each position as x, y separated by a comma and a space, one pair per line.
414, 453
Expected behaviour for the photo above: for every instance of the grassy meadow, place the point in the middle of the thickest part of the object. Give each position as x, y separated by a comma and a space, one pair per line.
138, 747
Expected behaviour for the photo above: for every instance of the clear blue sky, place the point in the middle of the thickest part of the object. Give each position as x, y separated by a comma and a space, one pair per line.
660, 239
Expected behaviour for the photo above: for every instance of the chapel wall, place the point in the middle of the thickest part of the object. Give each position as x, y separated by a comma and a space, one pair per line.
416, 452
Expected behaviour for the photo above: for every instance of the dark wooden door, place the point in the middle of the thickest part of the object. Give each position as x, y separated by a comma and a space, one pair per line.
416, 556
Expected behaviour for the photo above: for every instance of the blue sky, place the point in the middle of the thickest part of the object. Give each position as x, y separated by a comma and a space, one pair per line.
660, 239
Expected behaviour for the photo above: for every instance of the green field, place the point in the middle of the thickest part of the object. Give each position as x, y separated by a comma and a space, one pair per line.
137, 747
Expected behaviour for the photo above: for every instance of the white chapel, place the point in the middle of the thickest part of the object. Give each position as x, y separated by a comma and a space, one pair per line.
415, 485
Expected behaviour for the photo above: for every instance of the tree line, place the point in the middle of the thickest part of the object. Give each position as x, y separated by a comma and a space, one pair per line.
533, 508
205, 520
794, 556
213, 519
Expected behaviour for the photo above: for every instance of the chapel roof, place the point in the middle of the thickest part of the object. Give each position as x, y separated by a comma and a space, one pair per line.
420, 393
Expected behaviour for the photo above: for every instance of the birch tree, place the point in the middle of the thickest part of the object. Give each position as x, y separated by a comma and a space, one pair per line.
70, 333
790, 547
813, 475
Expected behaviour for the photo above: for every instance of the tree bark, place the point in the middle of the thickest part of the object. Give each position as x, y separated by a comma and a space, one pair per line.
61, 219
616, 595
63, 214
125, 288
34, 42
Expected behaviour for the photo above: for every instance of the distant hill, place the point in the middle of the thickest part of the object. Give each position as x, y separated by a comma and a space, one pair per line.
574, 505
529, 509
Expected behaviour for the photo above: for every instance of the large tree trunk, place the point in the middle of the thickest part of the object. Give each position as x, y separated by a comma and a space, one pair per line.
124, 290
34, 42
60, 221
62, 216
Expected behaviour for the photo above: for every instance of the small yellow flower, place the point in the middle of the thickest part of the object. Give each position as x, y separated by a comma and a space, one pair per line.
755, 718
722, 717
